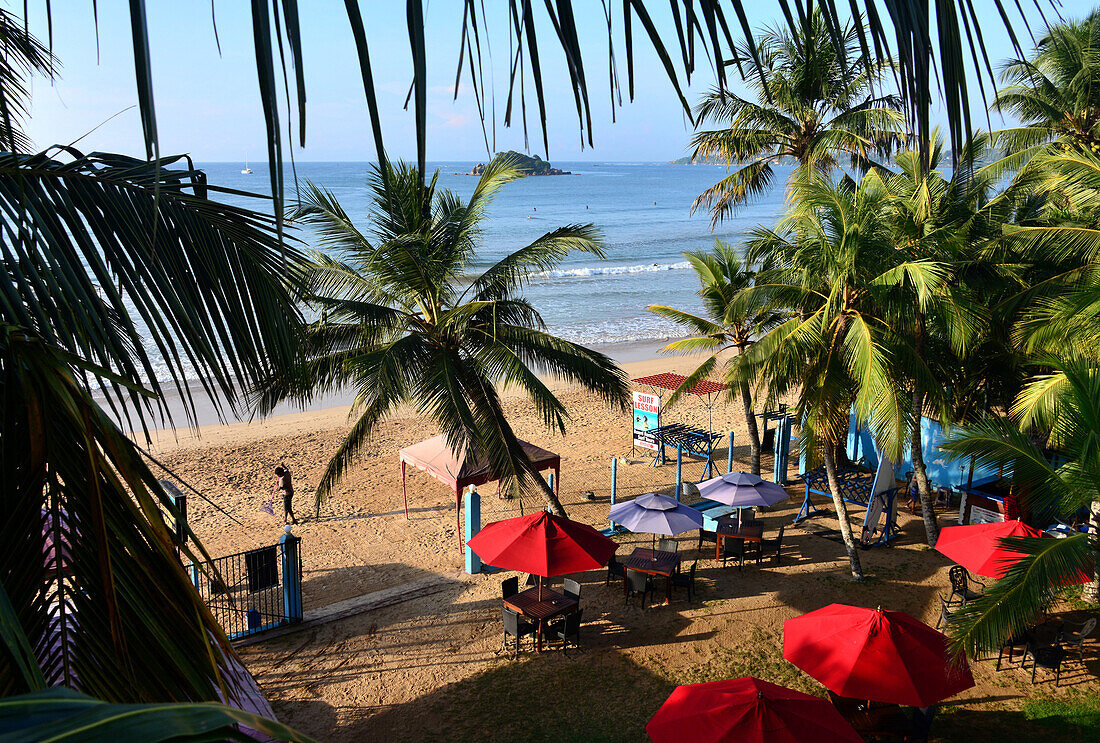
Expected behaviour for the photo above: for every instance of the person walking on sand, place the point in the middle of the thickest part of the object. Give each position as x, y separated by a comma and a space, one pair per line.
283, 482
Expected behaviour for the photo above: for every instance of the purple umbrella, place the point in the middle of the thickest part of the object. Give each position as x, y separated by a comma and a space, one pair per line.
656, 514
742, 490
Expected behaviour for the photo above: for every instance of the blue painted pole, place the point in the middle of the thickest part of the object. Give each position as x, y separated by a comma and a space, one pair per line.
614, 483
729, 455
473, 526
679, 468
292, 577
782, 450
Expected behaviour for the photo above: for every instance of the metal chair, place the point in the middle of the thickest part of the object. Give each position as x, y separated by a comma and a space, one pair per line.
946, 610
682, 580
1011, 644
566, 627
668, 545
1048, 657
637, 583
772, 544
515, 626
960, 584
509, 586
1076, 640
571, 589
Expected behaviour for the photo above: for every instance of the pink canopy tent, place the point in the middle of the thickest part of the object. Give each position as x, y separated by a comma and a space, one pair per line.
458, 471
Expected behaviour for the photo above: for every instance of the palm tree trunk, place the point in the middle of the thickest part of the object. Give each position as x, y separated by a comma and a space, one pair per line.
920, 471
552, 503
1091, 591
842, 512
750, 424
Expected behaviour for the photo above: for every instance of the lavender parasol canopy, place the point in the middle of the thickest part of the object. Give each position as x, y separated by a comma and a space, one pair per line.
742, 490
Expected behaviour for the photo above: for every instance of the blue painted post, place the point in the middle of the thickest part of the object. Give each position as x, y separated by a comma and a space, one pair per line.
472, 502
292, 577
729, 455
803, 453
679, 468
614, 483
193, 571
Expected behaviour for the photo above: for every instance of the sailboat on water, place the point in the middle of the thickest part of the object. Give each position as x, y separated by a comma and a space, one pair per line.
247, 170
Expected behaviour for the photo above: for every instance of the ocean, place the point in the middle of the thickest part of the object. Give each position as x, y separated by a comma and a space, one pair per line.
643, 210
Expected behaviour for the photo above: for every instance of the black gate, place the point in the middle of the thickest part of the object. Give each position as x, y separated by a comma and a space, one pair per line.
253, 591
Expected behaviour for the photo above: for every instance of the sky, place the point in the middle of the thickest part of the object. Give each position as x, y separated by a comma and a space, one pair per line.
208, 102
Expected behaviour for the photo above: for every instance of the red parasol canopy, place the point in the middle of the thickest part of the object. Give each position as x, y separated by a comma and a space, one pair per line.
671, 381
542, 544
977, 547
882, 656
747, 709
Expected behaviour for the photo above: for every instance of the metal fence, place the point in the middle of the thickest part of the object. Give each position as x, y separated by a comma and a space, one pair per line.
253, 591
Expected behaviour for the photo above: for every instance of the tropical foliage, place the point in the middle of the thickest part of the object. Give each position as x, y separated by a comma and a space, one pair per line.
814, 102
726, 326
405, 320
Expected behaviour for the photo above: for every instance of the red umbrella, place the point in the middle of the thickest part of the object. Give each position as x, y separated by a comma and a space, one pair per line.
542, 544
977, 547
882, 656
747, 710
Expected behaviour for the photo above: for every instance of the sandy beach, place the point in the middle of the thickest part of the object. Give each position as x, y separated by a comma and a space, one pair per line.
428, 668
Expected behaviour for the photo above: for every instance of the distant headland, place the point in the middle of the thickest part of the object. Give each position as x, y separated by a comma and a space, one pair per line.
526, 165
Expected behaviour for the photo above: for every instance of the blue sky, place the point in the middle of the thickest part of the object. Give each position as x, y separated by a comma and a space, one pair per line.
208, 104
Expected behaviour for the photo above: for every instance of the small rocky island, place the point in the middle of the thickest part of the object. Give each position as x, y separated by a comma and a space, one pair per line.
526, 165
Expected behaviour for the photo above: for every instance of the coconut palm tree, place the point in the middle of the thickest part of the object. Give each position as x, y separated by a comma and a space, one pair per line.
727, 326
1055, 93
403, 320
814, 102
832, 264
103, 258
932, 217
1062, 407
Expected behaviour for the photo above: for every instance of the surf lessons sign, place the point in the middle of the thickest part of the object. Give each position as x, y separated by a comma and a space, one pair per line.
647, 417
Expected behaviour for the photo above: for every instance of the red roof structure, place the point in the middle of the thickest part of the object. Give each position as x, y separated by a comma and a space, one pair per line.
670, 381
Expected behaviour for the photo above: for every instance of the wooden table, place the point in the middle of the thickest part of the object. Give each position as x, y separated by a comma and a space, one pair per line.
750, 531
652, 562
540, 607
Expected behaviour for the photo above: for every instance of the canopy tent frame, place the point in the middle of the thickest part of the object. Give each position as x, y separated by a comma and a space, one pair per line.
456, 470
707, 392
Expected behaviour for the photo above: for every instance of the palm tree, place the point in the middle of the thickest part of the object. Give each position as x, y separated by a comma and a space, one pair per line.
1055, 94
832, 264
726, 326
102, 255
814, 104
404, 321
1062, 407
944, 220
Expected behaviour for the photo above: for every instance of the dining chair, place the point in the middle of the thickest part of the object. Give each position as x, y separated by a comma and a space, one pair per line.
1075, 640
768, 545
571, 589
682, 580
961, 579
637, 583
614, 570
668, 545
509, 586
566, 627
517, 627
706, 536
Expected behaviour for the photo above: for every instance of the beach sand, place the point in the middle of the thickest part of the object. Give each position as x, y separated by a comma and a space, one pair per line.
427, 669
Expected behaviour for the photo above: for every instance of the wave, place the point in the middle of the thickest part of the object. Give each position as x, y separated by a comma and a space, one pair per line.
586, 271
